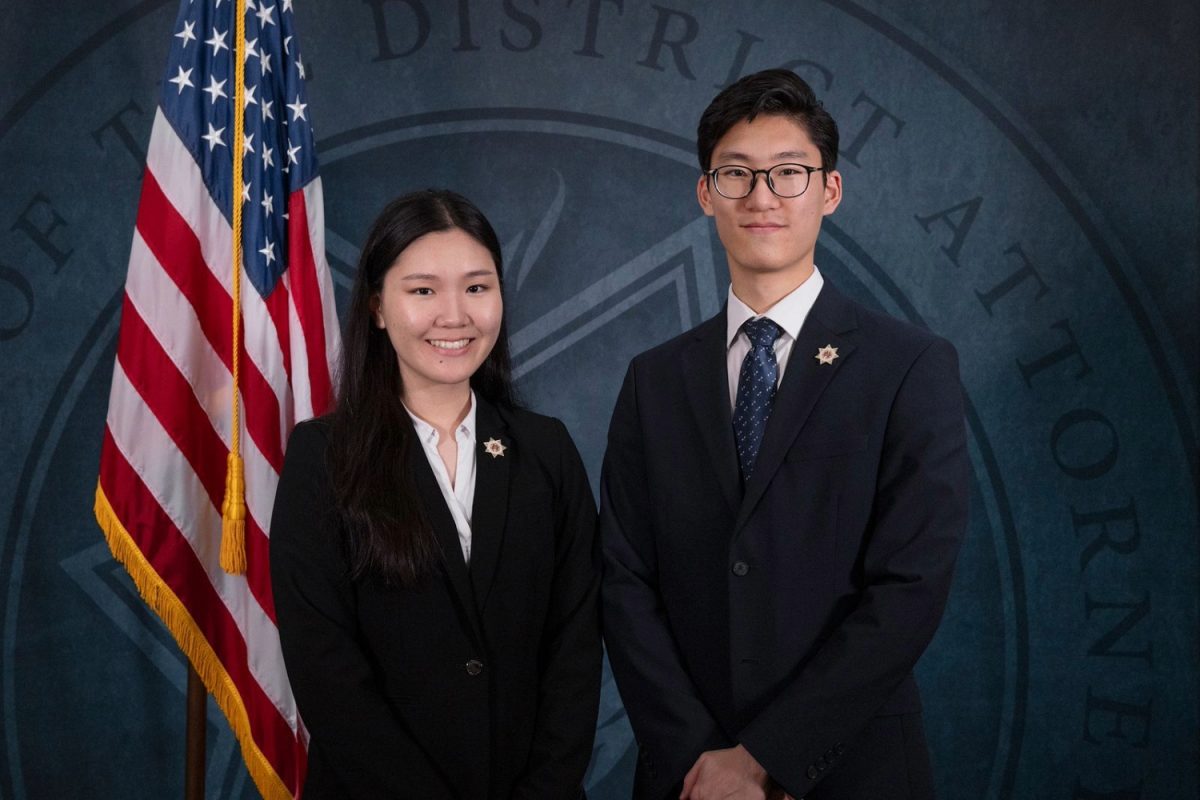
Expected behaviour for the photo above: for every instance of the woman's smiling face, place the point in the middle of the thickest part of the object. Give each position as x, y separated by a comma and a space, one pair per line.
441, 306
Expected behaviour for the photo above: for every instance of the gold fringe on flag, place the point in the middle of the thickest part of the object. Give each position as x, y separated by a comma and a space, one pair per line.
174, 614
233, 508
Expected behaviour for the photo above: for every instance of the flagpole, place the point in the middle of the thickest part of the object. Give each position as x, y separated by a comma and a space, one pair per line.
193, 771
233, 509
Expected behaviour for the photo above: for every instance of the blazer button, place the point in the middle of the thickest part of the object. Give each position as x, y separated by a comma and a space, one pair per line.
813, 773
740, 568
474, 667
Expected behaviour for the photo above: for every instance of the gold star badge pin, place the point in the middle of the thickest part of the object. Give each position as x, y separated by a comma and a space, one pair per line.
494, 448
826, 354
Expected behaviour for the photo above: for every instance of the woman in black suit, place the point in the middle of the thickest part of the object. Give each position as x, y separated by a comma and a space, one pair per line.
432, 543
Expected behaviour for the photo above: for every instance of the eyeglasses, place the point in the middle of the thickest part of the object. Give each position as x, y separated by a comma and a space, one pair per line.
733, 181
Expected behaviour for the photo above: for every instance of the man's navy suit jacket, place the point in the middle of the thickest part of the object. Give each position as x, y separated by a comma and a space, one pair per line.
786, 614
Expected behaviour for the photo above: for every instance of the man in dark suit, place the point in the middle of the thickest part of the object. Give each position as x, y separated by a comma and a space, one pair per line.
783, 498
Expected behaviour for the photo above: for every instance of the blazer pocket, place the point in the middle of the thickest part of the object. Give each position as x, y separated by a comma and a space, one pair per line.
826, 445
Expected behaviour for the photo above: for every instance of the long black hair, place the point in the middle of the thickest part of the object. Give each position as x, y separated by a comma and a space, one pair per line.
371, 433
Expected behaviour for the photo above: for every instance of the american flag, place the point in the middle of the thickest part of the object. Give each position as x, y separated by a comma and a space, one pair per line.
168, 432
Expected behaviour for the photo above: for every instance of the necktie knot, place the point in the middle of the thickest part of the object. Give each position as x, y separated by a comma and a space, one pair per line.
761, 332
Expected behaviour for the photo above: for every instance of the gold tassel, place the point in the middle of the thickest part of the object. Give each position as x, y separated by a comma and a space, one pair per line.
233, 518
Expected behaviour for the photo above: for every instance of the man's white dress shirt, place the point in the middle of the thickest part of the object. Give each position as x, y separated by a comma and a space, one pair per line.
789, 313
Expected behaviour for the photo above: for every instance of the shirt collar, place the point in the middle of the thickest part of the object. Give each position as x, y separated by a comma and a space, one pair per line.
428, 434
789, 313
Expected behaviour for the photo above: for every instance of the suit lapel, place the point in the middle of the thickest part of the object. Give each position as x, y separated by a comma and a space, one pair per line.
804, 379
707, 381
446, 533
490, 510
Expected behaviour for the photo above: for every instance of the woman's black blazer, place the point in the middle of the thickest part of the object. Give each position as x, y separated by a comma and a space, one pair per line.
483, 682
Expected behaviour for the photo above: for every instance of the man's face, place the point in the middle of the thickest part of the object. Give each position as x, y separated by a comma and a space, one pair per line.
763, 234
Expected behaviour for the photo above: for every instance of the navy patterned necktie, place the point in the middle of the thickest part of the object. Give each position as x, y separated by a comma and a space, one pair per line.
756, 390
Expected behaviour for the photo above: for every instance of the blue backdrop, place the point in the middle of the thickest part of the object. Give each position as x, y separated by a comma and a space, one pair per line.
1021, 178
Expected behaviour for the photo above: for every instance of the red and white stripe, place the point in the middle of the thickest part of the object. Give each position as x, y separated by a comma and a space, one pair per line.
168, 428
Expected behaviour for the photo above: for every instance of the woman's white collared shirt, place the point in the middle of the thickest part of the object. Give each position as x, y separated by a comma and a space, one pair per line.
459, 496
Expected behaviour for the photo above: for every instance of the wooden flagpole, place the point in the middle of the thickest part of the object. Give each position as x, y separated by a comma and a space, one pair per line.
233, 509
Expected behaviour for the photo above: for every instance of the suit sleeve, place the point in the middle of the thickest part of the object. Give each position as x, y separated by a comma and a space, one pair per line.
917, 523
673, 726
569, 690
362, 741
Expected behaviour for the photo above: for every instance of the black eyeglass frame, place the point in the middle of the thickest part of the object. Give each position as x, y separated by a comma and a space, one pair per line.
754, 173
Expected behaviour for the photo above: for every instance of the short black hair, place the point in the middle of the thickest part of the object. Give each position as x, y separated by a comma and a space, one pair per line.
772, 91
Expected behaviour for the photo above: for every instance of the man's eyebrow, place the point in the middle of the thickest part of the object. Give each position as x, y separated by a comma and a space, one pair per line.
733, 155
